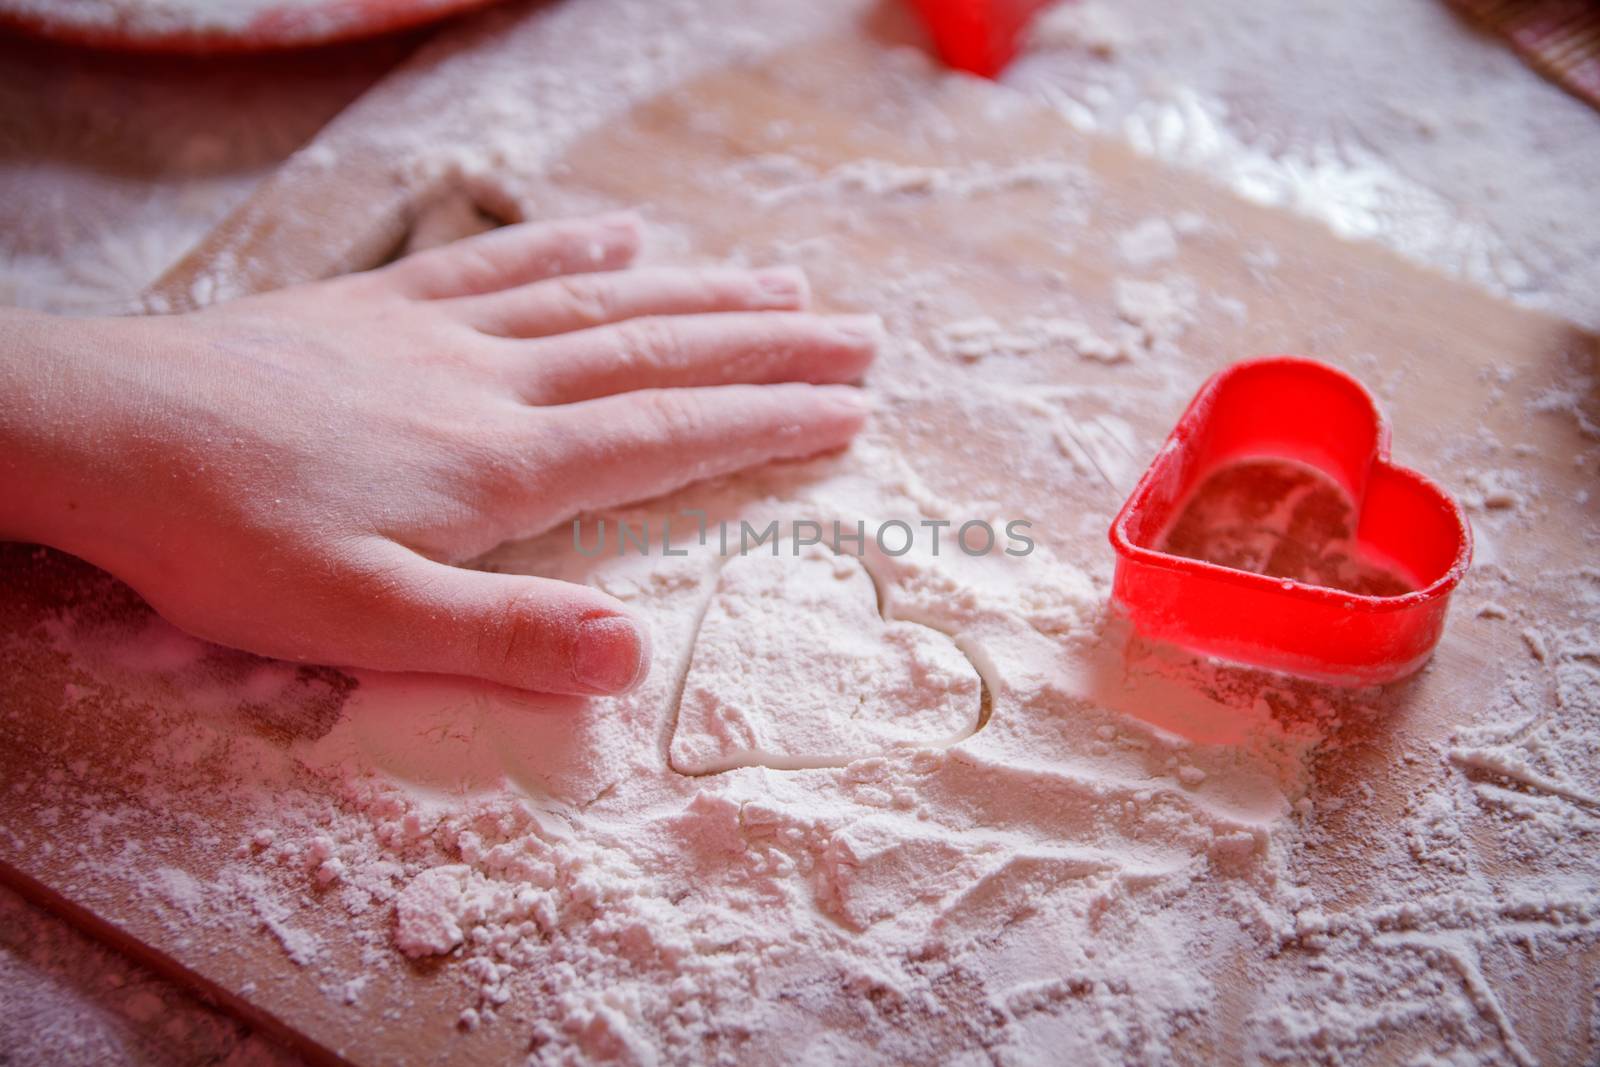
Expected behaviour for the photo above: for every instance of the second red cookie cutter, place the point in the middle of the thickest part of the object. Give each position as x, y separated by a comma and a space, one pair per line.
978, 36
1298, 409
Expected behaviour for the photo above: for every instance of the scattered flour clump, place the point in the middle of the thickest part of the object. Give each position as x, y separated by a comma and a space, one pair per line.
1151, 242
775, 179
1497, 490
1160, 310
974, 339
433, 912
1093, 28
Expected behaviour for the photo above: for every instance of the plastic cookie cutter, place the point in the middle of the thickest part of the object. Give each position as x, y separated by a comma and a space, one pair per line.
978, 36
1298, 410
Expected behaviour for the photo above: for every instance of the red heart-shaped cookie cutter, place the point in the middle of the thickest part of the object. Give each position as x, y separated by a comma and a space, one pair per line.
1284, 407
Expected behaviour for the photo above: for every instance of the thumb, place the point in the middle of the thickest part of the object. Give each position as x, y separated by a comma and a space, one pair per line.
527, 632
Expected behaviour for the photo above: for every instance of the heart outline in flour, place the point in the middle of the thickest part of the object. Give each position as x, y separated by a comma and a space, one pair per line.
1293, 408
886, 611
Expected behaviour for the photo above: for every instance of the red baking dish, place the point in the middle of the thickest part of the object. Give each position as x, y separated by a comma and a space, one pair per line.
1285, 407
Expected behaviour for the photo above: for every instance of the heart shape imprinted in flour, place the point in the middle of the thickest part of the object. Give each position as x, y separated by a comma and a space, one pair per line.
794, 666
1296, 409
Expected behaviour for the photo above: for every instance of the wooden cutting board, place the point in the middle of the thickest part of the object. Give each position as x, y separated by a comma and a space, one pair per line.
1452, 365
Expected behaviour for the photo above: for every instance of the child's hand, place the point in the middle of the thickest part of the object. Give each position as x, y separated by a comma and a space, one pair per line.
295, 473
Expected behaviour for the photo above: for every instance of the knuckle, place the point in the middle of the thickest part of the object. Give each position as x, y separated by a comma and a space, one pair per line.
367, 586
587, 300
497, 470
671, 415
574, 245
651, 341
479, 266
532, 384
509, 644
710, 285
367, 285
465, 265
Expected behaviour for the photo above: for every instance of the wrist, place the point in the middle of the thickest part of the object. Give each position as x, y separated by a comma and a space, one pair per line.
57, 441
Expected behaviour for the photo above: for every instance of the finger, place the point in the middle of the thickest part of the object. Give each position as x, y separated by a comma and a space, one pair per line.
528, 632
638, 445
517, 255
694, 350
579, 301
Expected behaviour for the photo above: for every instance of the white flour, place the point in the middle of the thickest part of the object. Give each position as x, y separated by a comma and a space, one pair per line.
1135, 858
1088, 868
1360, 127
838, 681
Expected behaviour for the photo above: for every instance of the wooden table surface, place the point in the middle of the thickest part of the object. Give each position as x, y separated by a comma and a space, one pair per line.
1460, 372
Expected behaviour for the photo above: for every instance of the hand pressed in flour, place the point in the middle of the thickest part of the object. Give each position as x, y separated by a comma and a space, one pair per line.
295, 473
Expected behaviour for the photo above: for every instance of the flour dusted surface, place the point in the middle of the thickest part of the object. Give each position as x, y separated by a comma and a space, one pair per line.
1137, 858
794, 667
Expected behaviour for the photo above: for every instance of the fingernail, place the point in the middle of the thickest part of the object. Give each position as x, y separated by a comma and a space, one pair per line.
782, 287
858, 330
610, 655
